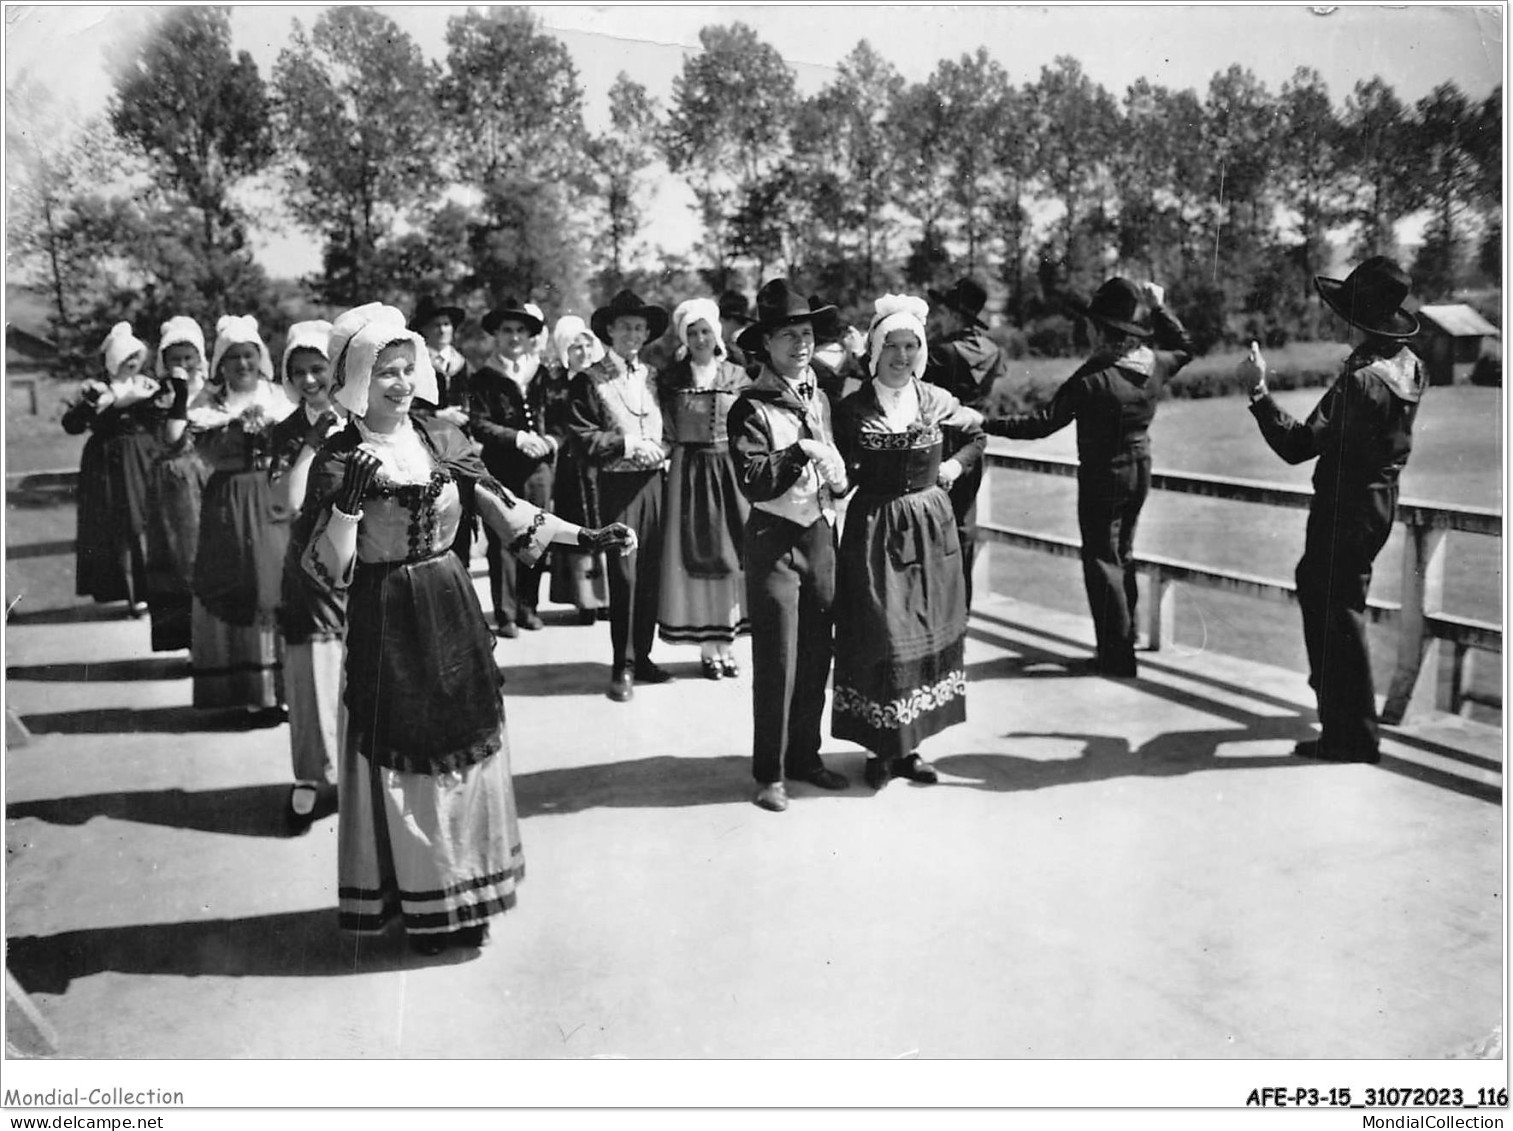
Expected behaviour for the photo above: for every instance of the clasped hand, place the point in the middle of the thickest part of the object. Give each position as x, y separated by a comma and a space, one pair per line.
827, 462
532, 445
615, 536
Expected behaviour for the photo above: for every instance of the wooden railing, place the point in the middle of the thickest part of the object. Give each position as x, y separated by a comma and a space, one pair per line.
1423, 628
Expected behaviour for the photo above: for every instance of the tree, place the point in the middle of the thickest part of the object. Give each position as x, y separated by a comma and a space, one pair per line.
1308, 168
1072, 119
727, 131
57, 178
1012, 149
1380, 161
619, 159
922, 139
973, 93
1444, 127
511, 96
201, 117
358, 129
855, 146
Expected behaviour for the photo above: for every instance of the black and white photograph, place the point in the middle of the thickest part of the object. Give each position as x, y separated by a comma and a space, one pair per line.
760, 541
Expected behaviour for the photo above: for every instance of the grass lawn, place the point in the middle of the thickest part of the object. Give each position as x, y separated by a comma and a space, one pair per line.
1457, 460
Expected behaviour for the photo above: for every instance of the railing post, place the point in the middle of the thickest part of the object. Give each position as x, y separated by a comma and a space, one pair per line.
981, 575
1415, 683
1160, 611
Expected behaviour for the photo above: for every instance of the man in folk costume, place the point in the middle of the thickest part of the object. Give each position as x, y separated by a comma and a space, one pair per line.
790, 470
966, 363
517, 418
438, 324
616, 417
1361, 433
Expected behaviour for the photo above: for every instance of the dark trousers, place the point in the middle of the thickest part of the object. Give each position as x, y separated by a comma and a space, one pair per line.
1108, 506
514, 586
635, 580
790, 591
1333, 578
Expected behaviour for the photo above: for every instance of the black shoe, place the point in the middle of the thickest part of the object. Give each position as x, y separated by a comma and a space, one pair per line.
429, 945
648, 672
507, 629
916, 769
1315, 751
823, 778
877, 772
472, 937
732, 669
712, 668
588, 616
620, 686
530, 620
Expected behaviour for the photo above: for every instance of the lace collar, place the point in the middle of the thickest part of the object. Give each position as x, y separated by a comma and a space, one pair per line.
402, 453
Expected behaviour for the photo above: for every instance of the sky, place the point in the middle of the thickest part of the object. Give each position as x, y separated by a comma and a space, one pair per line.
1414, 47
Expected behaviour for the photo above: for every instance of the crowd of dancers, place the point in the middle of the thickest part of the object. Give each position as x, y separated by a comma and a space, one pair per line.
306, 532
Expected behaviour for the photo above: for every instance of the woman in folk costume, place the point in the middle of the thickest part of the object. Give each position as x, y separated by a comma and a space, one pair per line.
114, 472
176, 487
703, 594
900, 600
239, 565
427, 825
311, 618
578, 576
617, 420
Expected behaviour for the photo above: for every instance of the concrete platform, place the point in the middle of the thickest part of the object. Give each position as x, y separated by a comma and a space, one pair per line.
1107, 870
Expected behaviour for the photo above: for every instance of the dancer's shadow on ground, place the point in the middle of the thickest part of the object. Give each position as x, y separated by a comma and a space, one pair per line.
69, 614
106, 671
577, 677
658, 782
1104, 757
247, 810
289, 944
153, 720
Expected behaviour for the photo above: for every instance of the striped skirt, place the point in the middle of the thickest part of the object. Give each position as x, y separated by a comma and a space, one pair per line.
442, 852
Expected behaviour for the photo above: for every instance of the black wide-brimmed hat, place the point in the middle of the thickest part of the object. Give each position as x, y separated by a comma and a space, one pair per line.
628, 302
1371, 298
430, 308
967, 297
736, 306
512, 309
779, 304
1115, 305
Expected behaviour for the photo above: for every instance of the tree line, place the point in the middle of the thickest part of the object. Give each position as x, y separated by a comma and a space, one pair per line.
476, 177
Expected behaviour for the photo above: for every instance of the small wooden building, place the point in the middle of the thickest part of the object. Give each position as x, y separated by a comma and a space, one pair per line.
1450, 340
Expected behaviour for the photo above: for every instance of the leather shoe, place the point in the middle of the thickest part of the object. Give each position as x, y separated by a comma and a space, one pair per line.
877, 772
648, 672
712, 668
507, 629
732, 669
473, 937
429, 945
620, 686
773, 797
916, 769
823, 778
1315, 751
530, 620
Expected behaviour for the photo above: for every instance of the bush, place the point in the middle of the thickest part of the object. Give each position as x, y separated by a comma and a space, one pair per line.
1014, 342
1052, 337
1487, 371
